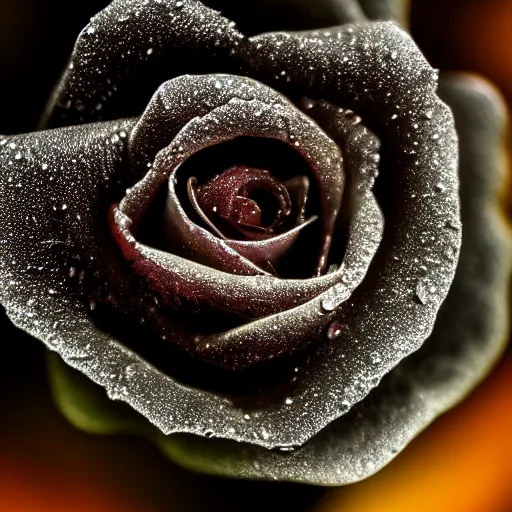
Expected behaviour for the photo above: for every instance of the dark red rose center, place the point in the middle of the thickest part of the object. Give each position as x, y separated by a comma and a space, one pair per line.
245, 203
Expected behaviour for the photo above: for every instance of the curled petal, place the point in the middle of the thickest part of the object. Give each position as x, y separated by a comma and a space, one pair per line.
132, 38
270, 251
237, 117
228, 196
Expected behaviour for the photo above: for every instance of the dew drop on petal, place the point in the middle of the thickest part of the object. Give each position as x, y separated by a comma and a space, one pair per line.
334, 330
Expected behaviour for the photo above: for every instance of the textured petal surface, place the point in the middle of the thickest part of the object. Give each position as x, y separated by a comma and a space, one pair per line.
132, 46
468, 338
129, 49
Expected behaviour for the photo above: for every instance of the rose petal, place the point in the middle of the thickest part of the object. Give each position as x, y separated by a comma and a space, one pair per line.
298, 188
262, 116
468, 338
227, 196
131, 39
296, 194
271, 250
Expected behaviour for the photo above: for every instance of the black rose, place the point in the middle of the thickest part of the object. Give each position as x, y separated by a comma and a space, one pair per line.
271, 235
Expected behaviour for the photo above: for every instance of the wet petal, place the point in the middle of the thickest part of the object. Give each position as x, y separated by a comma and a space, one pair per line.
130, 48
270, 251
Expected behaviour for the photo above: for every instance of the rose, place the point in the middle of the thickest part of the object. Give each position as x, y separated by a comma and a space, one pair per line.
348, 335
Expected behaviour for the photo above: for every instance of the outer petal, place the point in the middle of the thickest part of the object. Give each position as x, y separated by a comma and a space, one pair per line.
130, 48
468, 338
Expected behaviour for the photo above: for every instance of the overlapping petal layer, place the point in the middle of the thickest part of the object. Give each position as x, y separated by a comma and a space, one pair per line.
373, 69
468, 337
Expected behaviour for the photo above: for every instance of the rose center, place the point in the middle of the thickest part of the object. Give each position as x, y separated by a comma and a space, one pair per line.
244, 199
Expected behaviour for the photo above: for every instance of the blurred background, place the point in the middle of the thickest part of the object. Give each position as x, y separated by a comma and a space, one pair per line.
463, 463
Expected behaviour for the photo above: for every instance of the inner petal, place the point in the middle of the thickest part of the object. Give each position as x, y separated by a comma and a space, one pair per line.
242, 197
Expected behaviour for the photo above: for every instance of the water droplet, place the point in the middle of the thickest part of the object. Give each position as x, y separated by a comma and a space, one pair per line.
328, 304
451, 253
288, 401
334, 330
452, 224
130, 371
335, 296
375, 357
421, 293
307, 103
